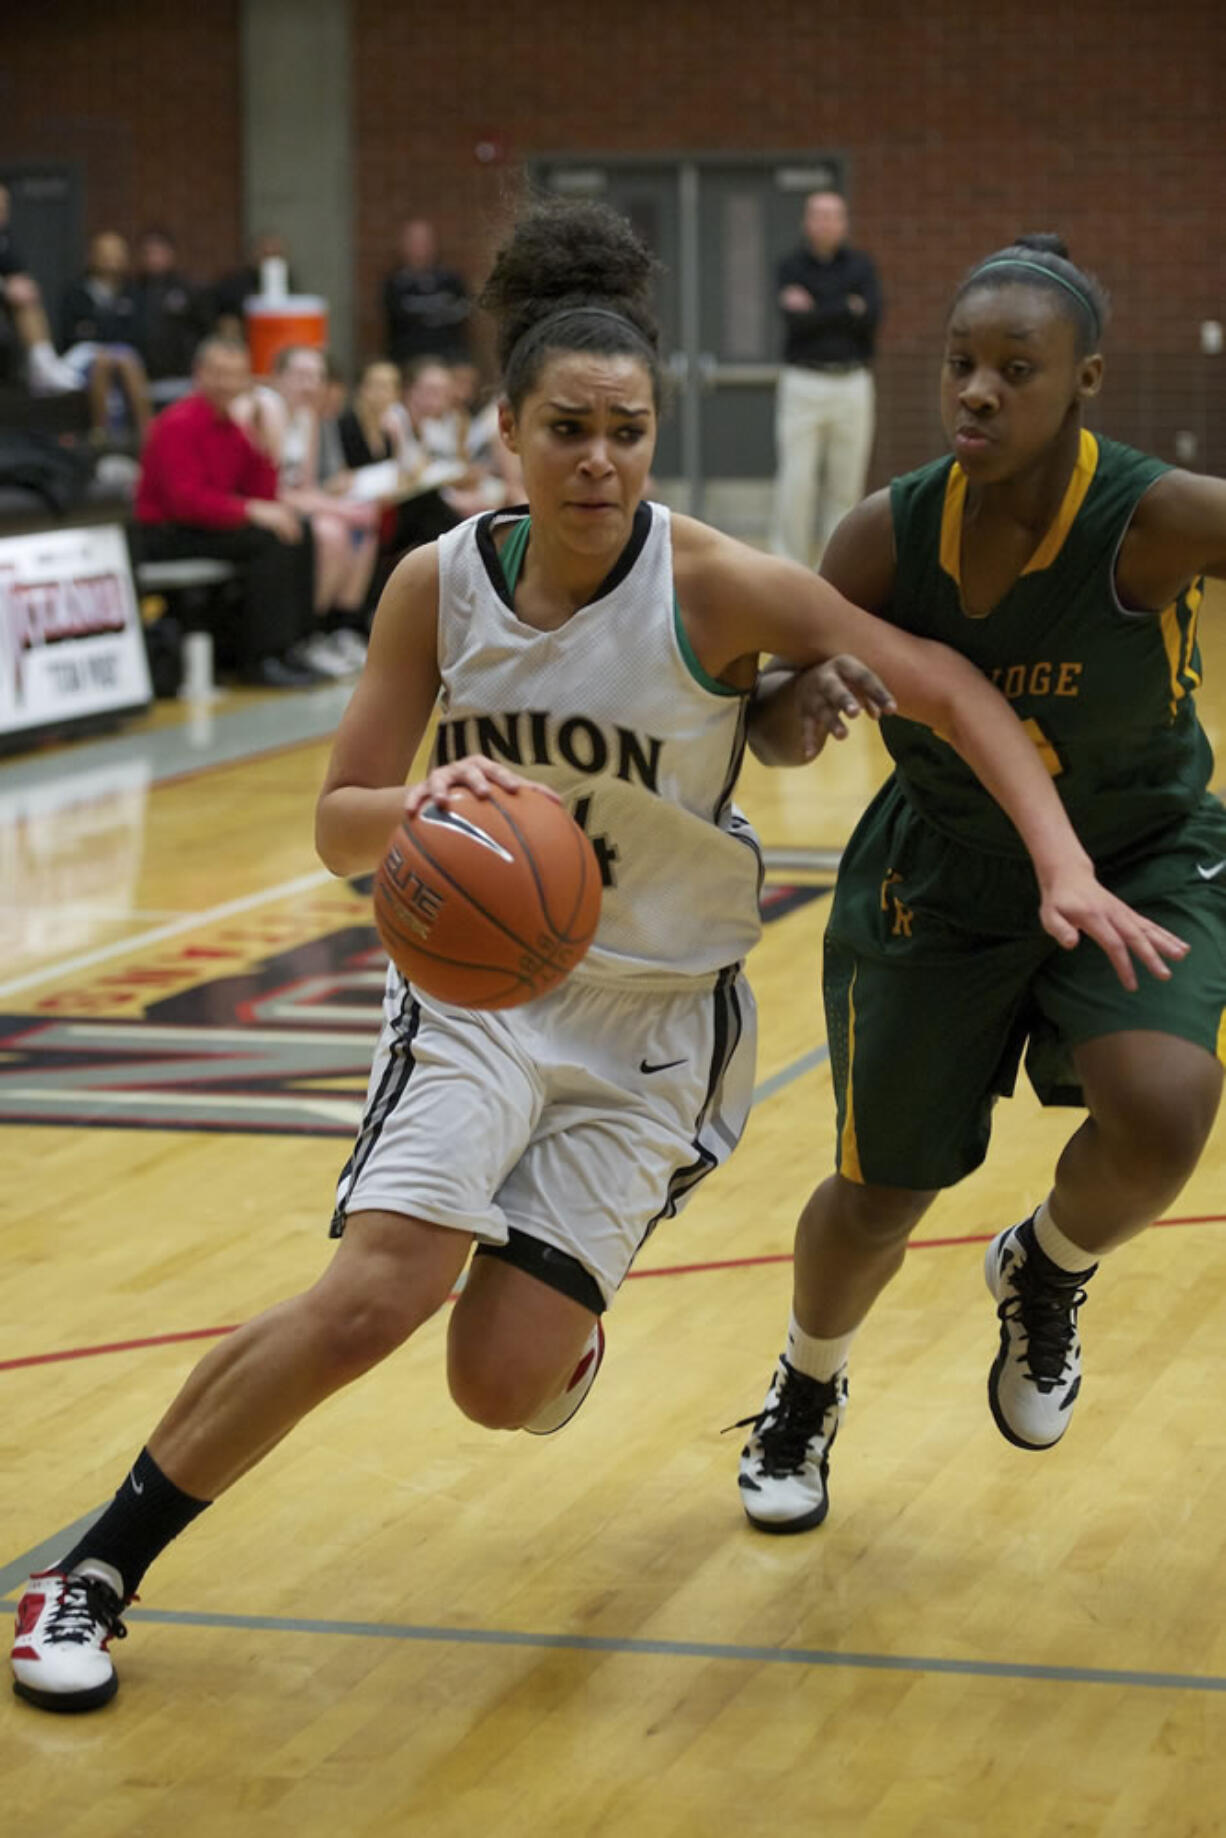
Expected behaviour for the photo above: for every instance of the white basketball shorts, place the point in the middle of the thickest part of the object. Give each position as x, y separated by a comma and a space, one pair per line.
581, 1119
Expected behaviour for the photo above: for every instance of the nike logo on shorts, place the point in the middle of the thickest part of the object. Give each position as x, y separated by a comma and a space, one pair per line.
664, 1066
1211, 873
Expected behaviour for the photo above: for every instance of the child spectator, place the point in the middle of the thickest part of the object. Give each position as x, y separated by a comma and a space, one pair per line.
98, 327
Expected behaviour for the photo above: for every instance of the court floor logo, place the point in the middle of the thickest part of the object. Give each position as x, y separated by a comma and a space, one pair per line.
281, 1048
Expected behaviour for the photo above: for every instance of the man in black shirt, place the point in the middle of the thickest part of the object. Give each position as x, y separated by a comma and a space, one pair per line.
831, 303
169, 321
426, 307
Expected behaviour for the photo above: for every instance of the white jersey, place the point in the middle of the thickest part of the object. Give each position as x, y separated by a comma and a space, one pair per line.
615, 713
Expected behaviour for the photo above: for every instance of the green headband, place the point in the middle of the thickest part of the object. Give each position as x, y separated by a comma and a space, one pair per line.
1049, 274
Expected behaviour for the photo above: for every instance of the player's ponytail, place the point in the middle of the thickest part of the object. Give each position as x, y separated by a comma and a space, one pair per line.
572, 276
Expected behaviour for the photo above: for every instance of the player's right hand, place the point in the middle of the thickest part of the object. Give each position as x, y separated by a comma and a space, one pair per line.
1076, 904
475, 773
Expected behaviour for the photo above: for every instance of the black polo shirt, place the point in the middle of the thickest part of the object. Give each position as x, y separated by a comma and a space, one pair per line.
831, 335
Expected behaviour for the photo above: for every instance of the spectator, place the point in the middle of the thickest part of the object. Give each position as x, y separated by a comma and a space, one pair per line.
169, 316
98, 325
435, 435
831, 304
45, 372
10, 261
336, 390
487, 452
370, 431
229, 293
427, 307
287, 422
375, 432
12, 359
37, 364
206, 490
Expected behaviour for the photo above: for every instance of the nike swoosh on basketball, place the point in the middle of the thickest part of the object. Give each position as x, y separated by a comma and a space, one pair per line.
664, 1066
1211, 873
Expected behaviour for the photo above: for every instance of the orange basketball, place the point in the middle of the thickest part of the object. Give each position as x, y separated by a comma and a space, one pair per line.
487, 902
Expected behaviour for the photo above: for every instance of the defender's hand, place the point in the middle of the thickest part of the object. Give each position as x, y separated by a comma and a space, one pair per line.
1079, 904
834, 693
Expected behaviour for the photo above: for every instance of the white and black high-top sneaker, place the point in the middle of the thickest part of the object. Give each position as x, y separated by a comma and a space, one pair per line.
787, 1458
1036, 1375
65, 1623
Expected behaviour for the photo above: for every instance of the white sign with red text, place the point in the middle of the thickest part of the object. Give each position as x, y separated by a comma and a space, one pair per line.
71, 643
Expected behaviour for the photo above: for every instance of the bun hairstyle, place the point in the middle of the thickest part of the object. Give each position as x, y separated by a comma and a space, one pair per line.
1042, 260
571, 277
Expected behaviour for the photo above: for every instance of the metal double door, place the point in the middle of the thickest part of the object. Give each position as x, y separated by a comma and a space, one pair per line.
718, 224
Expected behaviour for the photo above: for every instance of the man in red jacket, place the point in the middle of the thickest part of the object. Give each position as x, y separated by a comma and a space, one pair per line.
206, 490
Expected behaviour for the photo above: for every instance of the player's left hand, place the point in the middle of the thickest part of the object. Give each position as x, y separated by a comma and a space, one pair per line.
1077, 904
834, 693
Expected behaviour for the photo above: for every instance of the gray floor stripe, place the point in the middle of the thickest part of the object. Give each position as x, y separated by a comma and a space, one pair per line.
776, 1082
210, 737
689, 1649
45, 1553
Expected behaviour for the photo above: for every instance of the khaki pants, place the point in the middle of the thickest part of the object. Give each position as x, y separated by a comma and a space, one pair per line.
823, 438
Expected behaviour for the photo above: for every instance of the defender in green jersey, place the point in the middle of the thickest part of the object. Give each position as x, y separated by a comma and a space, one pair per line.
1069, 569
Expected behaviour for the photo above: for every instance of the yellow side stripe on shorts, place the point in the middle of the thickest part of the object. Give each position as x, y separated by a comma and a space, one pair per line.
849, 1149
1179, 639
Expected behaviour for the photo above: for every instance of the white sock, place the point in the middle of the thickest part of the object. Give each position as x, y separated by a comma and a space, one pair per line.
816, 1358
47, 374
1052, 1242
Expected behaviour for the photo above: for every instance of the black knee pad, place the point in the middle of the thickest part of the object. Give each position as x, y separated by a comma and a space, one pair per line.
557, 1268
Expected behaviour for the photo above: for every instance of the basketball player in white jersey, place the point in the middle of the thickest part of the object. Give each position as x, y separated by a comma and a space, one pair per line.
598, 647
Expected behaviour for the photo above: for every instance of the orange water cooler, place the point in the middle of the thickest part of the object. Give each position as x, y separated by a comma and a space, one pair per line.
273, 323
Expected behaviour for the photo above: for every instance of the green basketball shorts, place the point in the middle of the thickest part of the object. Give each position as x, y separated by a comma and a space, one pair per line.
938, 978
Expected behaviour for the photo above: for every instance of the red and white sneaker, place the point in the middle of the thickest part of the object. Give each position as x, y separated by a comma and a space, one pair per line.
65, 1623
561, 1409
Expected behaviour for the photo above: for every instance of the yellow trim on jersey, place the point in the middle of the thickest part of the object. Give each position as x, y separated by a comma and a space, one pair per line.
1180, 642
1074, 498
1054, 540
849, 1148
951, 523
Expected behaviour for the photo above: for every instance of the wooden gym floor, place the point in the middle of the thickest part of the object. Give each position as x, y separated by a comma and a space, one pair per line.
405, 1624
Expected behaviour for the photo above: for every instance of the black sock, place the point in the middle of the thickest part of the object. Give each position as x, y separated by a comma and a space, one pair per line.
145, 1515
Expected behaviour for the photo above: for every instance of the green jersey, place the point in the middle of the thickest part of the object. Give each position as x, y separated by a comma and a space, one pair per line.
1105, 693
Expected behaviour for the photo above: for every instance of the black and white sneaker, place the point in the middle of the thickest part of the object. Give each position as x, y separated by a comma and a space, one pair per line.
65, 1623
787, 1458
1036, 1375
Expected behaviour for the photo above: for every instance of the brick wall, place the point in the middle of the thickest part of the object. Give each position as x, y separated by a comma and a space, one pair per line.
962, 125
143, 98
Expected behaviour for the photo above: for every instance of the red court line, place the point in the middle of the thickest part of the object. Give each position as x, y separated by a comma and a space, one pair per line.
723, 1263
